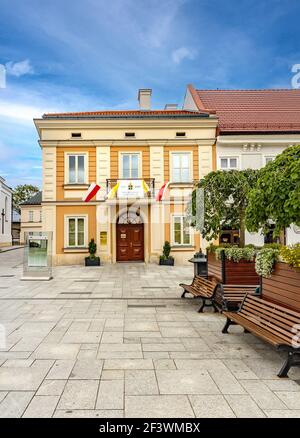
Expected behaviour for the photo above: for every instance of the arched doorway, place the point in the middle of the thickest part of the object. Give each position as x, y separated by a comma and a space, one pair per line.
130, 236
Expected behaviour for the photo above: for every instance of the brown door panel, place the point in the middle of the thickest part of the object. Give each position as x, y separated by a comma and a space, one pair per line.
130, 242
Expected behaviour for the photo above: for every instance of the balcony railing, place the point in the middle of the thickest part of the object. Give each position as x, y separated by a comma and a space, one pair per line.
121, 192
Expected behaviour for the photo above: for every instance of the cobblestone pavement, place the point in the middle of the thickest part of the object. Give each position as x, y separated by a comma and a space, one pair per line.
118, 341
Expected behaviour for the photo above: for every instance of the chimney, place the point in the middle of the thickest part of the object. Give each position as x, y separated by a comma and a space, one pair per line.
144, 98
171, 106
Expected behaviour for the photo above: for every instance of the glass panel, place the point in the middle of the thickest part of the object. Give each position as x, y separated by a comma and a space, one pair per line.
125, 165
224, 163
80, 232
186, 233
80, 225
176, 175
185, 160
176, 161
80, 238
177, 230
72, 232
72, 176
233, 163
134, 166
185, 175
81, 172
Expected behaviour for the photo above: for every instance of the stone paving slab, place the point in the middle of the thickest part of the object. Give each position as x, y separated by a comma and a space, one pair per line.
119, 341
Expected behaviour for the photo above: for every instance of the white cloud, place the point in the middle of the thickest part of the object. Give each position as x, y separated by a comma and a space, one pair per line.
19, 111
181, 53
19, 68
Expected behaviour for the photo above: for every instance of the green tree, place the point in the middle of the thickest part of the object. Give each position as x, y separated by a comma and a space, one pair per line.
225, 201
23, 192
276, 196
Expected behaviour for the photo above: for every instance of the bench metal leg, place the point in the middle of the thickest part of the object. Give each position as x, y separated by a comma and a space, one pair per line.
183, 294
292, 360
246, 331
228, 323
202, 306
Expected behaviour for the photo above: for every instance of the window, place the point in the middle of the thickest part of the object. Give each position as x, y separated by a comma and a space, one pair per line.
228, 163
181, 163
76, 134
129, 134
76, 231
181, 231
130, 165
77, 169
180, 134
269, 159
30, 216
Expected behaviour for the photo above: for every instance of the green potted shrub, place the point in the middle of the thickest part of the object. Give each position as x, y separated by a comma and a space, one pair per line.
92, 260
165, 258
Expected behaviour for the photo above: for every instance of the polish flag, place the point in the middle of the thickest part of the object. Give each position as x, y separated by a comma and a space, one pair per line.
92, 191
162, 191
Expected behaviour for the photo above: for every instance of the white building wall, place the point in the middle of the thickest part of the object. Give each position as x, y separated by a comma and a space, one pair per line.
5, 206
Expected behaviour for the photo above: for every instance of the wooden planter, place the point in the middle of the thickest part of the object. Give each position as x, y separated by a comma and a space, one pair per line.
283, 286
229, 272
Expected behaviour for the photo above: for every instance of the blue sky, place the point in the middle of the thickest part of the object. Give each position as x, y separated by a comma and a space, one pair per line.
94, 54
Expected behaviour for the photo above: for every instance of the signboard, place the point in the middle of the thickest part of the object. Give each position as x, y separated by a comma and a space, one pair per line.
130, 189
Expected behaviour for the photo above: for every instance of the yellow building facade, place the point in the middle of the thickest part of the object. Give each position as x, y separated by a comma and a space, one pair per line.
130, 155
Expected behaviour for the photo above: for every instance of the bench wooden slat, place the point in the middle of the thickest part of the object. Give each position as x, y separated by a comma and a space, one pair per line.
277, 309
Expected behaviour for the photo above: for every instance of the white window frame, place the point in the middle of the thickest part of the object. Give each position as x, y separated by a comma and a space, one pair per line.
182, 217
139, 154
66, 230
228, 158
268, 156
190, 154
86, 167
30, 216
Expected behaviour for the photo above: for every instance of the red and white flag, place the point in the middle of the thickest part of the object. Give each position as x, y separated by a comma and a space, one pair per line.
162, 191
92, 191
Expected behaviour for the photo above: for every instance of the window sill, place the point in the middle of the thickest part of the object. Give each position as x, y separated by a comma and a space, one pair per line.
76, 250
182, 183
76, 186
182, 248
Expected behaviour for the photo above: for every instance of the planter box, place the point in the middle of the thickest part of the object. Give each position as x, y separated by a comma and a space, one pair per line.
168, 262
92, 262
229, 272
283, 286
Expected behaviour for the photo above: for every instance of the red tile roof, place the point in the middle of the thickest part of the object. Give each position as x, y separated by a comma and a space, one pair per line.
252, 110
127, 114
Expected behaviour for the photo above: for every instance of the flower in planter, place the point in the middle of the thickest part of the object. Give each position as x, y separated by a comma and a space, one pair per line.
291, 255
265, 259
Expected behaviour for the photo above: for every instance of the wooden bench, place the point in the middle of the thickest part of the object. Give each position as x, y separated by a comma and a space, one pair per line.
230, 296
201, 287
275, 324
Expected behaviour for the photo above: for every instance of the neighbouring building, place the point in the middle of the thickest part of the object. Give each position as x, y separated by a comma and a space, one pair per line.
16, 227
130, 154
5, 213
31, 215
253, 127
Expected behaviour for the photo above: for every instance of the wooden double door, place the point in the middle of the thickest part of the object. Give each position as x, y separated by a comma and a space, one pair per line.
130, 242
